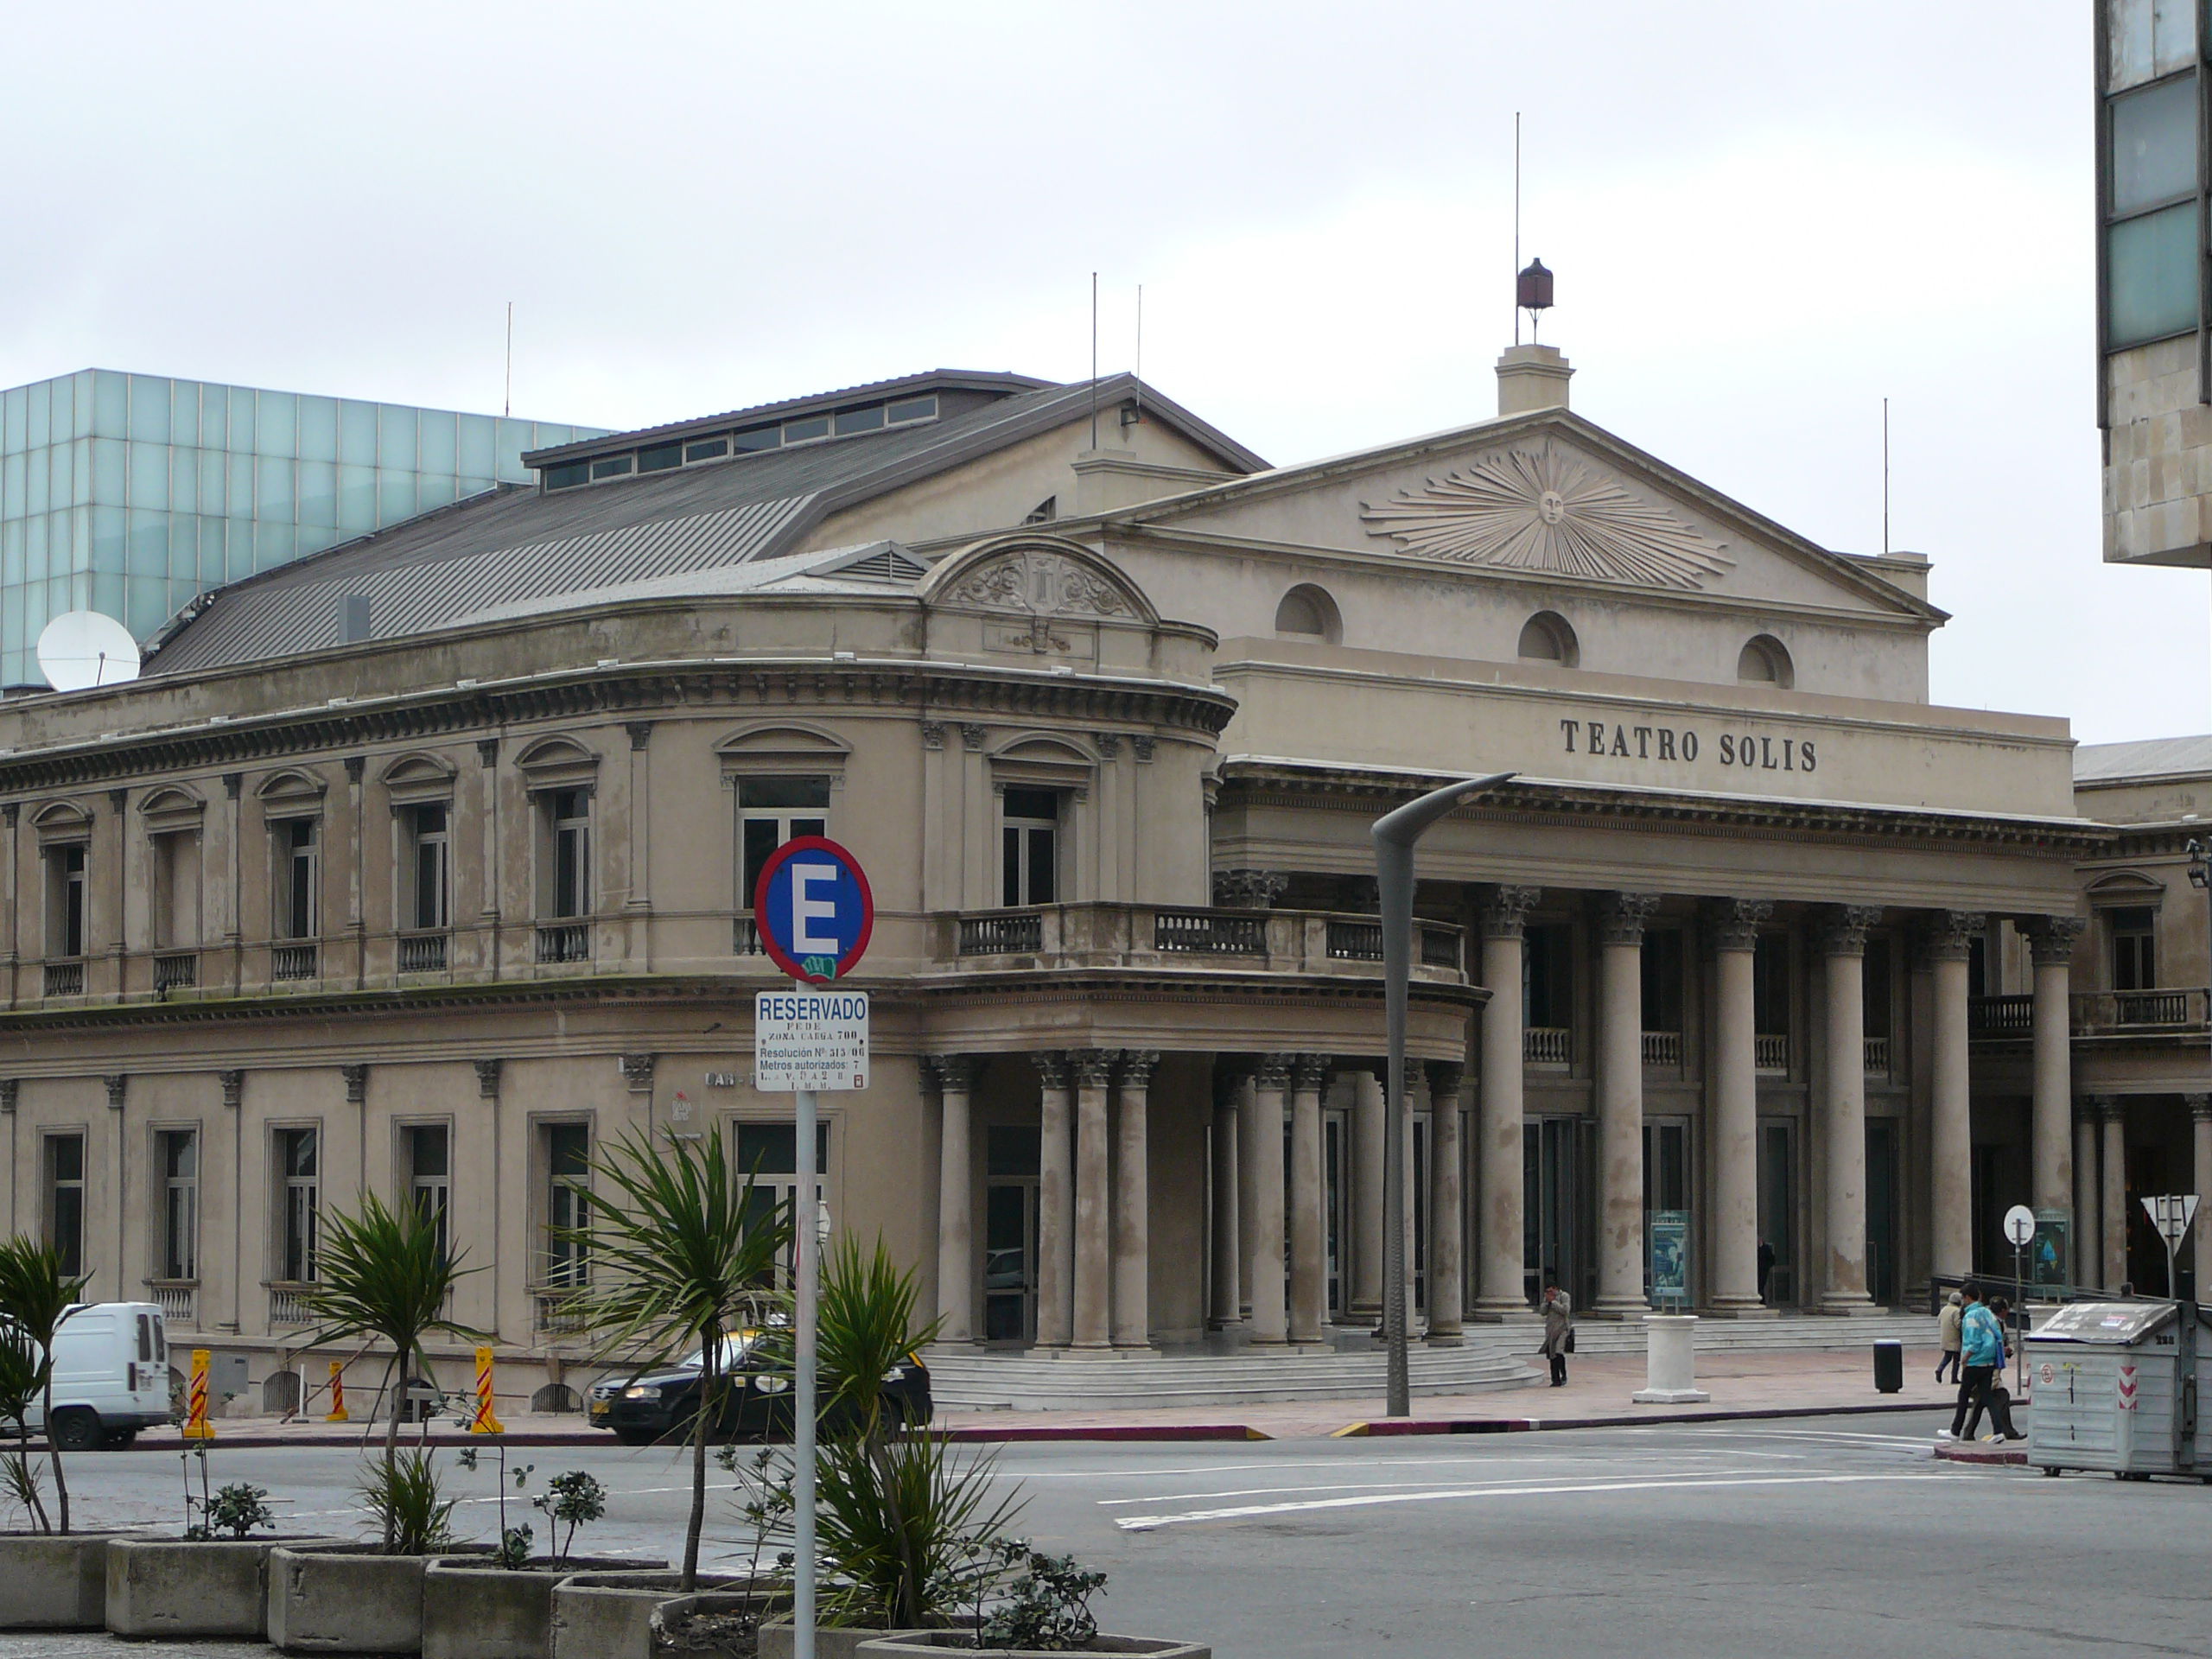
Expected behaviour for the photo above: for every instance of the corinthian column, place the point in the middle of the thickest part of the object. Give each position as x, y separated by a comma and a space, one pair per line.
1133, 1202
1843, 947
1448, 1291
1094, 1305
956, 1258
2113, 1112
1948, 943
1309, 1267
1733, 1146
1620, 1103
1270, 1323
2050, 942
1503, 1296
1055, 1203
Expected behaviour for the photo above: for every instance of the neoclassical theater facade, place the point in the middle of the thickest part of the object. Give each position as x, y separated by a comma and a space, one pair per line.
421, 866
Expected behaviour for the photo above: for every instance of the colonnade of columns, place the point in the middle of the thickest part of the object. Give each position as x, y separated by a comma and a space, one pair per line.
2101, 1200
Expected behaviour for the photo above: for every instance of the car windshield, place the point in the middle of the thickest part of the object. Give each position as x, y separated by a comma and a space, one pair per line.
733, 1352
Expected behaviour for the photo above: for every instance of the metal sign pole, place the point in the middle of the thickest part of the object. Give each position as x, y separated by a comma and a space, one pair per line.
2020, 1345
804, 1247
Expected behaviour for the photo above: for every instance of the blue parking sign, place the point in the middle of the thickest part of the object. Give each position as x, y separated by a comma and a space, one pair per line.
814, 909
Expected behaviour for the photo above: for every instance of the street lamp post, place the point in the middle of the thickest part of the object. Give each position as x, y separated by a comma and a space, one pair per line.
1395, 835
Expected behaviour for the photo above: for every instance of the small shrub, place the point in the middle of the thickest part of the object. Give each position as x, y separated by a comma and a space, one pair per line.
765, 1503
571, 1500
239, 1509
513, 1553
1050, 1607
404, 1495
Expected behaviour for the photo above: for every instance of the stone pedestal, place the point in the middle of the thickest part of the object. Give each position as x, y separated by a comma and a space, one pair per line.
1670, 1373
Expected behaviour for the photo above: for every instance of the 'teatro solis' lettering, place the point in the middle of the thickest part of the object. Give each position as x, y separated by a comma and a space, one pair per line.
1747, 749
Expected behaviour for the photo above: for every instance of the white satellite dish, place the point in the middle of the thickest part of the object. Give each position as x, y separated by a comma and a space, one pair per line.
79, 649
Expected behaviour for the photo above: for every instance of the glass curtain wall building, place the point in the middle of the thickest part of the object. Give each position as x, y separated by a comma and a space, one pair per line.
131, 493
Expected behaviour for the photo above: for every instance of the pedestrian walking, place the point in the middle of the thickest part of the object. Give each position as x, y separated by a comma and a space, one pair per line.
1947, 1329
1766, 1269
1996, 1396
1558, 1332
1982, 1341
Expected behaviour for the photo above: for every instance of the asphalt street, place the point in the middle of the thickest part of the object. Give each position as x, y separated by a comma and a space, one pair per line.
1809, 1538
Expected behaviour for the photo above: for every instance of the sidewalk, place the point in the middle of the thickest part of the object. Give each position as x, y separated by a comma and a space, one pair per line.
1742, 1385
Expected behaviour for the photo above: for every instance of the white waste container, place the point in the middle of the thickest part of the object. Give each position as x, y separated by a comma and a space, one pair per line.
2109, 1393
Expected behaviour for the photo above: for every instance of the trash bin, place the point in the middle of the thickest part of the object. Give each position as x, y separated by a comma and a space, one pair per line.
2110, 1392
1888, 1366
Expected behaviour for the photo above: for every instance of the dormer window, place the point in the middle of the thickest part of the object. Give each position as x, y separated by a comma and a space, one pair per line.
1044, 511
850, 422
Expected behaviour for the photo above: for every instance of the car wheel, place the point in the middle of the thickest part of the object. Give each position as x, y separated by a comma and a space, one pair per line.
77, 1429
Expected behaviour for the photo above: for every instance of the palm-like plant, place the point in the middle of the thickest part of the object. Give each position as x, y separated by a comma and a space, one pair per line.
23, 1370
382, 1273
37, 1299
866, 1329
679, 1252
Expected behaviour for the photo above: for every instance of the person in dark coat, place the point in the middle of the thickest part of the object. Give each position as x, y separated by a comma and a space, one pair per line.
1559, 1332
1766, 1268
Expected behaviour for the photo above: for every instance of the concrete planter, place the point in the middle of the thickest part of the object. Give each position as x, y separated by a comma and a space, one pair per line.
351, 1599
53, 1582
472, 1610
830, 1641
182, 1586
928, 1644
610, 1615
678, 1607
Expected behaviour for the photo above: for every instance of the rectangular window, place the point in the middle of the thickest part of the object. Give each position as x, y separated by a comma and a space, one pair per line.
176, 898
65, 901
568, 852
179, 1155
1548, 977
429, 1151
707, 449
566, 1149
769, 1153
760, 438
299, 1204
65, 1201
2134, 958
1663, 981
2149, 193
860, 420
430, 899
771, 811
614, 467
660, 458
567, 475
1029, 846
805, 431
913, 408
299, 885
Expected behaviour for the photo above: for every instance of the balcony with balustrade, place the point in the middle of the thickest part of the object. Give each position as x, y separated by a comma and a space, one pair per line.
288, 1306
422, 953
179, 1300
2167, 1014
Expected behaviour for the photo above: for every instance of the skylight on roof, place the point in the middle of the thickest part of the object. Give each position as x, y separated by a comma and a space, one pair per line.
852, 420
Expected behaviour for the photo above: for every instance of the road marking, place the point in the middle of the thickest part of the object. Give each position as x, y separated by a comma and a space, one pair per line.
1338, 1486
1151, 1523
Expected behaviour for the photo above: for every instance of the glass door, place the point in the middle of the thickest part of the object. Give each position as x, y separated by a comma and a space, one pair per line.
1010, 1234
1777, 1177
1553, 1158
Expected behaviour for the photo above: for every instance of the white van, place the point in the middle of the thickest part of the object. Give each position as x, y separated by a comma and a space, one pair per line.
111, 1376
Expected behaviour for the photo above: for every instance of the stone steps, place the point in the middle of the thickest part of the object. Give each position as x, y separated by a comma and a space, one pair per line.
1494, 1357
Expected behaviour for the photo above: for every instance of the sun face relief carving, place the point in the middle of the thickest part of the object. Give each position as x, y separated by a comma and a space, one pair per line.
1547, 510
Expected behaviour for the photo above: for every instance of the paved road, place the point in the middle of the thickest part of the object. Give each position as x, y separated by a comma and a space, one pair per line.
1812, 1538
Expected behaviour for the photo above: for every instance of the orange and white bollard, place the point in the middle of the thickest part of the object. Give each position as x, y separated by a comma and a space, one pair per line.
487, 1421
196, 1425
338, 1412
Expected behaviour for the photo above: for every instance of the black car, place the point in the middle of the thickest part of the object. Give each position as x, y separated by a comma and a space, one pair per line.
660, 1404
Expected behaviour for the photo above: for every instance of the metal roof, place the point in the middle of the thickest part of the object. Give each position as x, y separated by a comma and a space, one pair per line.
2157, 757
519, 543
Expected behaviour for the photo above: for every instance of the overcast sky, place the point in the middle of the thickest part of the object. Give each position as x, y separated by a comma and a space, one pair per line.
1764, 219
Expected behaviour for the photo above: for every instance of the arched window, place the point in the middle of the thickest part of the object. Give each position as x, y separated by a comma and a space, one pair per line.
1765, 662
1308, 610
1546, 638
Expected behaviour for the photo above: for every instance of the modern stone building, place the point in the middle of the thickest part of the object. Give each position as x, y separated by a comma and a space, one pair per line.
421, 864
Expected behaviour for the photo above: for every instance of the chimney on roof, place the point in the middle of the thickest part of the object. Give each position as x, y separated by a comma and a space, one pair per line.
1531, 377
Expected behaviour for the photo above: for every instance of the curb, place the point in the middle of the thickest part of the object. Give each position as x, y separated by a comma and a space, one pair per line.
1156, 1431
971, 1434
265, 1441
1948, 1451
1521, 1425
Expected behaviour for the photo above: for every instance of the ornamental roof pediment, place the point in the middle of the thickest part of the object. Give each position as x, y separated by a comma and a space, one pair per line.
1548, 498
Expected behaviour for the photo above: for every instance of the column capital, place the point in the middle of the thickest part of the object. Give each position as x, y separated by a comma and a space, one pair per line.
1245, 889
637, 1073
1948, 935
1621, 921
1735, 922
1093, 1068
118, 1084
1843, 928
1313, 1071
1274, 1075
1505, 910
488, 1078
954, 1073
356, 1083
2200, 1106
2051, 938
1444, 1077
1137, 1065
234, 1088
1051, 1067
8, 1089
2107, 1107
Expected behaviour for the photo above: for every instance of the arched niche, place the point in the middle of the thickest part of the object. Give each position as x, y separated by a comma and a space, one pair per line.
1548, 637
1764, 660
1306, 611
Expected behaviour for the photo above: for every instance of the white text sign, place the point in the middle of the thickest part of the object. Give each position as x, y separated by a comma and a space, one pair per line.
813, 1040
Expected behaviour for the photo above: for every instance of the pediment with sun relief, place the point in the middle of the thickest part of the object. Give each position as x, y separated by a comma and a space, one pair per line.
1542, 508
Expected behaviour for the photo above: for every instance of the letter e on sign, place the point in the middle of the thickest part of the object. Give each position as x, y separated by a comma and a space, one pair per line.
813, 909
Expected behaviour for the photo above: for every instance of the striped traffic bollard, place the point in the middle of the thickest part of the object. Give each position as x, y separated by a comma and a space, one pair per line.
338, 1412
196, 1425
487, 1421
